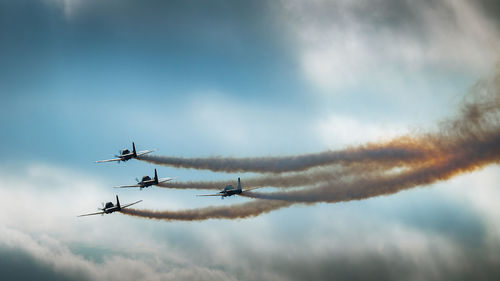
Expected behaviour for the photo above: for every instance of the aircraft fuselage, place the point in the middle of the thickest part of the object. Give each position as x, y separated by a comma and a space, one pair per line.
126, 157
148, 183
110, 208
126, 154
230, 192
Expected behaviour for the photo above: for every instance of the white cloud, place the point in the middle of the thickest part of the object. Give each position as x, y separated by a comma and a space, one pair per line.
297, 238
39, 219
480, 191
343, 44
53, 255
338, 131
47, 199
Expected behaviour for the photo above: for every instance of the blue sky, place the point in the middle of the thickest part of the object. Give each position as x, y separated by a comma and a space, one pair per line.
80, 80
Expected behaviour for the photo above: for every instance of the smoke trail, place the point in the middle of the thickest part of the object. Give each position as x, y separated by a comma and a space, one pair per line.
240, 211
483, 99
469, 142
371, 186
311, 177
478, 115
464, 144
399, 150
362, 188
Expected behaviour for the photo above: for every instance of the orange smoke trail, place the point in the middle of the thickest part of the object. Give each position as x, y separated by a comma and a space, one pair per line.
400, 150
240, 211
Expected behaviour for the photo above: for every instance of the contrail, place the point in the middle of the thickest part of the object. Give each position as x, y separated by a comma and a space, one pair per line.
464, 144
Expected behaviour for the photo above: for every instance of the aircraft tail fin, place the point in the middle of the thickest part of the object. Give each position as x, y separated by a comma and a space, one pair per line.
133, 149
117, 202
156, 177
239, 184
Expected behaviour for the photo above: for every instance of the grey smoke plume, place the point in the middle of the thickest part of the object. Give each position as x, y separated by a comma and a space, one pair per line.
246, 210
305, 178
398, 150
375, 185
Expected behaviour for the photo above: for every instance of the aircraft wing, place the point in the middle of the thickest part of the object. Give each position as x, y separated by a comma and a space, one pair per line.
98, 213
248, 189
219, 194
126, 186
144, 152
108, 160
165, 180
128, 205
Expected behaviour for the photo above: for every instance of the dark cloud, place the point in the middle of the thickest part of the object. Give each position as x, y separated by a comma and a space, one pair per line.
416, 241
491, 9
16, 264
391, 264
344, 263
23, 257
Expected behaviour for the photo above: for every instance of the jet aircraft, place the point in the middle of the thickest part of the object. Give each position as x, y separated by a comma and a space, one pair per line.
126, 155
229, 190
146, 182
110, 208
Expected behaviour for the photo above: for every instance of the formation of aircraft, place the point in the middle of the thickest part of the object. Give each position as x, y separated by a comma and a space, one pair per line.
126, 154
229, 190
109, 208
146, 182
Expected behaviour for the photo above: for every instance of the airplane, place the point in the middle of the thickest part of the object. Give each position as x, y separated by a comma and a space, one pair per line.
146, 182
110, 208
229, 190
126, 155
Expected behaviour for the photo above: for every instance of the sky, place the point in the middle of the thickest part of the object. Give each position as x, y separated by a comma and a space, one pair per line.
80, 80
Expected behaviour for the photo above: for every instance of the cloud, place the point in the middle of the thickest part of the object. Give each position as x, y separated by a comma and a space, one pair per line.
55, 260
347, 243
342, 44
354, 241
336, 131
481, 193
41, 235
47, 198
